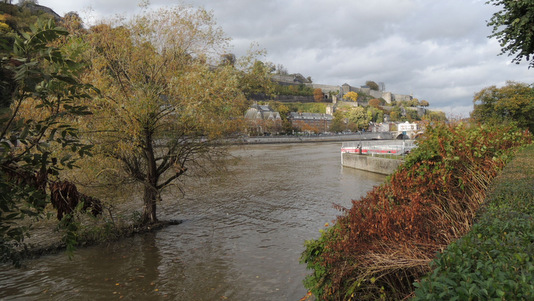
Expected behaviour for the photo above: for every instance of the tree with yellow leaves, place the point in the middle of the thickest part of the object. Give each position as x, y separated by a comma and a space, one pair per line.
351, 95
164, 103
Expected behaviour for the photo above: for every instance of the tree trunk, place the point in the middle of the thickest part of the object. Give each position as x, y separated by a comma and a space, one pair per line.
151, 192
149, 200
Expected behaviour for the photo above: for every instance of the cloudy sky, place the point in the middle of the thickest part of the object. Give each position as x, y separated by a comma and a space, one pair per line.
435, 50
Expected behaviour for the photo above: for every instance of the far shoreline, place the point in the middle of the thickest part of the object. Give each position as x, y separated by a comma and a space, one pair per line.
314, 138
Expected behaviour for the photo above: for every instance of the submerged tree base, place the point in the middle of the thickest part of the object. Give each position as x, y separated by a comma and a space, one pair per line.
54, 244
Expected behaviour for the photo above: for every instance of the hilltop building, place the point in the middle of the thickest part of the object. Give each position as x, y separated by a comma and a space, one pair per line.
290, 79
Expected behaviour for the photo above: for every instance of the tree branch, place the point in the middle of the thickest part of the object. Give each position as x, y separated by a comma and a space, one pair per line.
174, 177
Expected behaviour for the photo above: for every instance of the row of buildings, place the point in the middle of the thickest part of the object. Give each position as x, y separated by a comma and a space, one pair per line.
262, 119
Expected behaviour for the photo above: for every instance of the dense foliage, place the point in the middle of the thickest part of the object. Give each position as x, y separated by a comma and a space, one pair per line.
351, 95
318, 95
381, 245
495, 260
512, 26
255, 78
296, 90
163, 107
44, 105
513, 102
13, 20
18, 18
154, 78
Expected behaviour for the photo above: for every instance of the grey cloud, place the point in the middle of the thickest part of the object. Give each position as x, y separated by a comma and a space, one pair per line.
437, 50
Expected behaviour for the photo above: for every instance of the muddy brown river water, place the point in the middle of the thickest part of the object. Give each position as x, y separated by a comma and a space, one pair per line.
241, 238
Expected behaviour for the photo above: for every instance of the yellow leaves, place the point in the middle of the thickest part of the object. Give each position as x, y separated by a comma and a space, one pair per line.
27, 110
4, 27
351, 95
158, 88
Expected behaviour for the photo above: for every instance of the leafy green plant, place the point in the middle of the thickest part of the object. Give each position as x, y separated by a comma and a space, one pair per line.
44, 103
318, 282
495, 259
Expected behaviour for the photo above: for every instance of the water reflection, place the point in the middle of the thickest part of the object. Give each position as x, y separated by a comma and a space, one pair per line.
241, 240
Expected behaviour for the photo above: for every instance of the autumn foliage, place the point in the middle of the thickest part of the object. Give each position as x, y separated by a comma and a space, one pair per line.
380, 246
374, 103
318, 95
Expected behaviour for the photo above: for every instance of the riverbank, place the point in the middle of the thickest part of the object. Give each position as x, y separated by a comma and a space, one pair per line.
47, 238
498, 248
314, 138
384, 243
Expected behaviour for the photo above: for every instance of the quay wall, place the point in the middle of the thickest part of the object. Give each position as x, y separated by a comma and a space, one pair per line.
326, 138
369, 163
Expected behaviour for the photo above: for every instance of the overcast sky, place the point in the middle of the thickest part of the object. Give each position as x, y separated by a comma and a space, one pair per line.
434, 50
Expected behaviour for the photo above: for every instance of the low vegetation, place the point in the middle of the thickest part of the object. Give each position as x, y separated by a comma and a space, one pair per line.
495, 260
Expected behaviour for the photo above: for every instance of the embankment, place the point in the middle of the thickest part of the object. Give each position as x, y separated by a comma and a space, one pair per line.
383, 244
495, 260
379, 165
315, 138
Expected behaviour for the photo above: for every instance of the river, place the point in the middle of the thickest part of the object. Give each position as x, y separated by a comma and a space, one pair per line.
241, 238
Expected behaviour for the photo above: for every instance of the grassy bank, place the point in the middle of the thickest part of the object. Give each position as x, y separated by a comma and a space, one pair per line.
495, 260
384, 243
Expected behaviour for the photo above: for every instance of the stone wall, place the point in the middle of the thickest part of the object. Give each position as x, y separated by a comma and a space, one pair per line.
326, 88
282, 98
369, 163
387, 96
401, 97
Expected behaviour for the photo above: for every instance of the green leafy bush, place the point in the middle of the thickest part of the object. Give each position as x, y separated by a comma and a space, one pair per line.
319, 280
296, 90
46, 83
495, 260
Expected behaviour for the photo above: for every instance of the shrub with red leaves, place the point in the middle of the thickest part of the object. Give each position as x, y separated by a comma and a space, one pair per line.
381, 245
